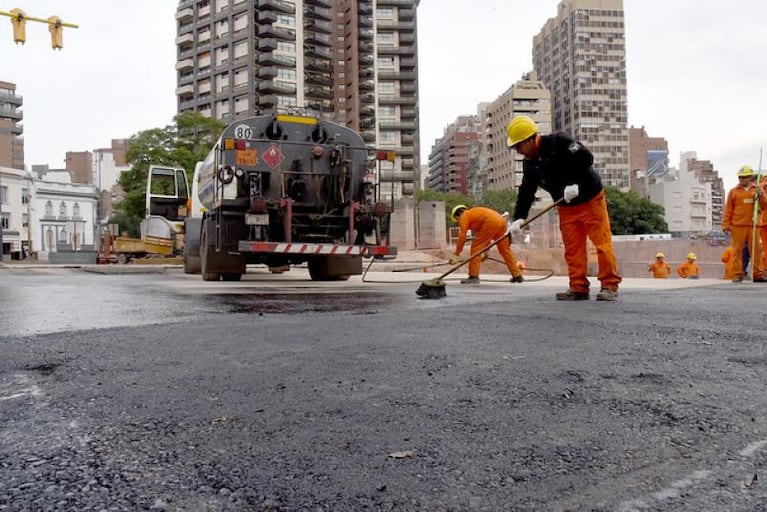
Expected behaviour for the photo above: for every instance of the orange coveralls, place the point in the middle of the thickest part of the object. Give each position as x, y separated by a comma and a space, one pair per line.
728, 260
761, 220
660, 269
577, 222
688, 269
738, 219
487, 226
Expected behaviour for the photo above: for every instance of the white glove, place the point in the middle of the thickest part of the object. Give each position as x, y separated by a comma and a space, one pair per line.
516, 226
454, 259
571, 192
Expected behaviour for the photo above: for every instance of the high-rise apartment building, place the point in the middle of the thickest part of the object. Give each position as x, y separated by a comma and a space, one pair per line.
705, 173
11, 130
454, 158
352, 61
580, 56
527, 97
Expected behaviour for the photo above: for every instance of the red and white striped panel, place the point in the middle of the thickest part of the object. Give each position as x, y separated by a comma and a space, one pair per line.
319, 249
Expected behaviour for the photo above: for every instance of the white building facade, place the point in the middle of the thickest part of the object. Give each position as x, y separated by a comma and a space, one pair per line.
15, 208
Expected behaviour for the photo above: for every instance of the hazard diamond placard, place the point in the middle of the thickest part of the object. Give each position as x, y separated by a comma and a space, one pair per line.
273, 156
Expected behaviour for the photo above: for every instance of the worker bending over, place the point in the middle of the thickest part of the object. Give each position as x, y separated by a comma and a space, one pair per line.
689, 269
564, 168
486, 226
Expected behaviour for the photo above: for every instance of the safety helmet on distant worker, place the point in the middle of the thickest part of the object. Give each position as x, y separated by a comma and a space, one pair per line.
660, 255
520, 129
745, 172
691, 256
457, 209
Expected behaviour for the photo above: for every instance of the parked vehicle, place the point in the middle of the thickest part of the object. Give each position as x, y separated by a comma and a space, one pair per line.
281, 190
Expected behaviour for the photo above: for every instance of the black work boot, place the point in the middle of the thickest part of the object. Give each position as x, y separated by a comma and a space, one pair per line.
470, 280
572, 295
517, 279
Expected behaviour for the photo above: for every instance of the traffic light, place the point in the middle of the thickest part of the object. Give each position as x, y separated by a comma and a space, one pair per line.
19, 22
57, 32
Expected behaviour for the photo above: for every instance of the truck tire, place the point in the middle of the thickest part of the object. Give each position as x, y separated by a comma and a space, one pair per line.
122, 258
192, 245
328, 269
205, 251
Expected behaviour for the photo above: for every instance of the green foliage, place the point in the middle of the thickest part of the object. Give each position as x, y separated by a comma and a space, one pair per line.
499, 200
127, 223
631, 214
181, 144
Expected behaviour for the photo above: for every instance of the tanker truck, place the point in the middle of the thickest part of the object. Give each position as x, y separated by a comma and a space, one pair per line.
282, 190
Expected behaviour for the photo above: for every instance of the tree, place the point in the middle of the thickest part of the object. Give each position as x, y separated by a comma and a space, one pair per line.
499, 200
181, 144
451, 200
631, 214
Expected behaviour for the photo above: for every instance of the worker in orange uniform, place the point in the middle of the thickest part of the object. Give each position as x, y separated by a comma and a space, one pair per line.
729, 261
659, 268
761, 222
487, 226
689, 269
564, 168
738, 222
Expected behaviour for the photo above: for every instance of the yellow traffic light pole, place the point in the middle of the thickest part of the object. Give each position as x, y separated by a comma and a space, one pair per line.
55, 26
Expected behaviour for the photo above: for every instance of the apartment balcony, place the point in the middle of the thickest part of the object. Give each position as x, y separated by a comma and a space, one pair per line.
9, 97
267, 44
367, 85
366, 47
320, 105
327, 4
324, 27
366, 35
276, 60
406, 38
318, 39
365, 20
185, 90
407, 63
266, 17
396, 100
397, 75
407, 88
185, 39
366, 8
283, 34
397, 125
319, 92
184, 65
367, 99
321, 79
185, 14
407, 138
11, 113
366, 73
367, 60
276, 5
318, 13
368, 110
368, 123
17, 129
318, 51
369, 136
408, 113
407, 14
276, 86
318, 65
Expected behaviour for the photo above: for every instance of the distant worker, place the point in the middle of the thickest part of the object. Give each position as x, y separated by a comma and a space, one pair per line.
659, 268
689, 269
738, 222
728, 260
563, 167
487, 226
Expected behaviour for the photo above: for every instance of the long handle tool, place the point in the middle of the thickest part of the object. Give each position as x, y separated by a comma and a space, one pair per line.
435, 288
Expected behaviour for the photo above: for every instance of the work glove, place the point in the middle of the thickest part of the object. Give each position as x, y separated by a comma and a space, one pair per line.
571, 192
483, 256
455, 259
516, 226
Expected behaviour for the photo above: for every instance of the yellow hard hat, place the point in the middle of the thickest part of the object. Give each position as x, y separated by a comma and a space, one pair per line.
660, 255
519, 129
745, 171
691, 256
456, 209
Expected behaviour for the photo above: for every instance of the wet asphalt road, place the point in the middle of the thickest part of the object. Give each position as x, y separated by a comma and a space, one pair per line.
160, 392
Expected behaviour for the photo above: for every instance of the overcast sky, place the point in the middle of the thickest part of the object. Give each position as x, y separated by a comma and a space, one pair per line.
696, 71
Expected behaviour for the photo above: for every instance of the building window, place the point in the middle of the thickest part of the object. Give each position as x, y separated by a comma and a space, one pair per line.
76, 210
63, 209
49, 209
5, 220
3, 195
25, 196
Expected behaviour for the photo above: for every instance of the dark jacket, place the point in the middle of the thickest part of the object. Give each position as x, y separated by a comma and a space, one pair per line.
561, 161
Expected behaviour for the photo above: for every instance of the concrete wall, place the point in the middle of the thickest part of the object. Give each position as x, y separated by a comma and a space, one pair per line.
432, 232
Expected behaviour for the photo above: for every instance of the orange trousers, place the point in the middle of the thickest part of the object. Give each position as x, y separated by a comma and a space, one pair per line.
740, 236
577, 223
485, 237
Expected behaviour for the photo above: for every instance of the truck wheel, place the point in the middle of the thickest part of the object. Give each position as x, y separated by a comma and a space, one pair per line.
204, 256
319, 271
122, 258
